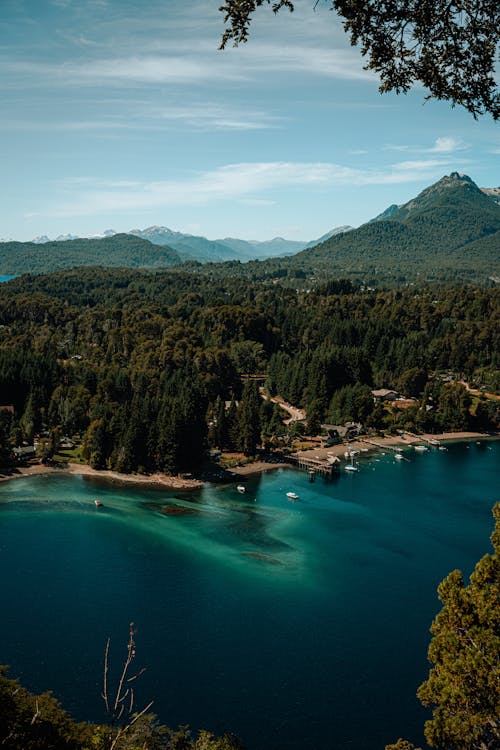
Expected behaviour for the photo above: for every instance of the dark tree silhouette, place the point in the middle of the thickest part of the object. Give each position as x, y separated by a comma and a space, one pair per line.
449, 47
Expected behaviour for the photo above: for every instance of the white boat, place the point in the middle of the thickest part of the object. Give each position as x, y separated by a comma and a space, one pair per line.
399, 456
292, 496
351, 467
443, 448
98, 503
421, 448
241, 488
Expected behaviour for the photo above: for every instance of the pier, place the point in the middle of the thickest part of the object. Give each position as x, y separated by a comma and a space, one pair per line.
430, 441
382, 447
314, 465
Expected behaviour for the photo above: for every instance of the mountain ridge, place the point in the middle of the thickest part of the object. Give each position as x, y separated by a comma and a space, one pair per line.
431, 231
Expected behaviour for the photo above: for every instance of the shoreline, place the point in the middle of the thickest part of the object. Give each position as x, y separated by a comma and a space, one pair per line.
166, 481
84, 470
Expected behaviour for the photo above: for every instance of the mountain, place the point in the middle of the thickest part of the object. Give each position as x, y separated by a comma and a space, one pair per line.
493, 192
195, 247
118, 250
451, 230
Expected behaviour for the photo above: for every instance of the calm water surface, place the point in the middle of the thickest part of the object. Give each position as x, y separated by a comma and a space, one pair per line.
295, 625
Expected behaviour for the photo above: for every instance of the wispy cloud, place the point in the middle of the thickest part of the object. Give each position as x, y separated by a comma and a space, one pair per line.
443, 145
201, 116
259, 181
122, 71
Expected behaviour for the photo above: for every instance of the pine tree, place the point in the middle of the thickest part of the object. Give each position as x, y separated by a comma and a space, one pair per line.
464, 683
249, 419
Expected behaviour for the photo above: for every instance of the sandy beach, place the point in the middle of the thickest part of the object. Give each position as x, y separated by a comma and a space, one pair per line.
365, 445
155, 480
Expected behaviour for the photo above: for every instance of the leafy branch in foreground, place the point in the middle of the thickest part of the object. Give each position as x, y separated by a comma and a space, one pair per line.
449, 47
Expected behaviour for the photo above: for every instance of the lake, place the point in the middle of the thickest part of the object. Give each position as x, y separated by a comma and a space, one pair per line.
293, 624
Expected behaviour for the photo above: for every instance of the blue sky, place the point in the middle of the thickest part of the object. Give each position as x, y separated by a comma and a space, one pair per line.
120, 115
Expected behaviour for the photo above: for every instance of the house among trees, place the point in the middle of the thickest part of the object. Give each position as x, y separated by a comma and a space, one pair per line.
66, 443
384, 394
336, 433
23, 452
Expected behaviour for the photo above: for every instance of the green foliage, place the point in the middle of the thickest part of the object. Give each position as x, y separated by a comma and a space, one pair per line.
463, 684
449, 47
36, 722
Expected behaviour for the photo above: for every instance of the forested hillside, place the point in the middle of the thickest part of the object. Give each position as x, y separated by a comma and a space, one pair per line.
143, 365
450, 231
118, 250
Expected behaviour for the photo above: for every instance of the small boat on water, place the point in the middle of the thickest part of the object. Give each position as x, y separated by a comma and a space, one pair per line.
98, 503
443, 448
421, 448
399, 456
241, 488
292, 496
351, 467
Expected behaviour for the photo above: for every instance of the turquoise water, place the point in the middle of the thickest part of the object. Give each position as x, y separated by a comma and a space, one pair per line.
6, 278
295, 625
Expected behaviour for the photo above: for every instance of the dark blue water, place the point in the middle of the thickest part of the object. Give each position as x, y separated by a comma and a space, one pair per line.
295, 625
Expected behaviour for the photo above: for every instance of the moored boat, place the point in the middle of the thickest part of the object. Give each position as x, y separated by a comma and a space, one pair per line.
241, 488
292, 496
98, 503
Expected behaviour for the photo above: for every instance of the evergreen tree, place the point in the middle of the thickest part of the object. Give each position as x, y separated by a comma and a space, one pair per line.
464, 683
249, 418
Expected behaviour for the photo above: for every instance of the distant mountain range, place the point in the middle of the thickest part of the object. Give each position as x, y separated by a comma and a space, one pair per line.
195, 247
450, 231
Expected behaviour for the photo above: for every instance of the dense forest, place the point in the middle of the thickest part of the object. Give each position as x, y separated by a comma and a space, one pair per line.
148, 369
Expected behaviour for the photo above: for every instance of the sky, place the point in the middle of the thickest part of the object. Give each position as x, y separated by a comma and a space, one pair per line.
119, 114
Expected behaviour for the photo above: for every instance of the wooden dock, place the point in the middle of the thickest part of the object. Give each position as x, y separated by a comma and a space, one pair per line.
430, 441
313, 465
395, 449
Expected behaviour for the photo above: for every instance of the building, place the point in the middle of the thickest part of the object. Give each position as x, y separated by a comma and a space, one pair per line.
384, 394
336, 433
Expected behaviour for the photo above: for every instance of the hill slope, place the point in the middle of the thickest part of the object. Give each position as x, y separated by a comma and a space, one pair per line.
450, 230
118, 250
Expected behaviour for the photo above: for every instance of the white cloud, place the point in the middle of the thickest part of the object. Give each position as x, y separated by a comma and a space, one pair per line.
443, 145
257, 181
447, 145
395, 147
419, 164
